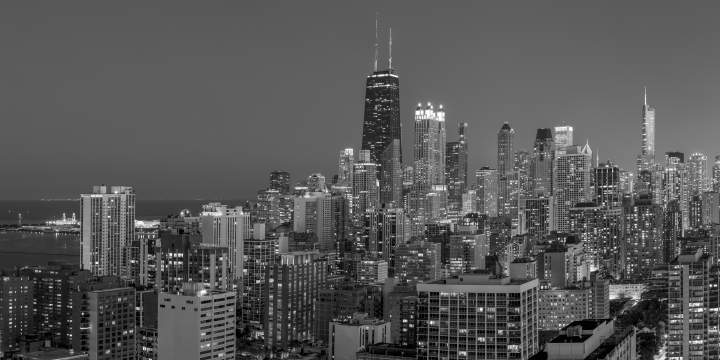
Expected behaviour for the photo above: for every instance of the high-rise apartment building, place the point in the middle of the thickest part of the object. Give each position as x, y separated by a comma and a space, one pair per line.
293, 283
111, 324
16, 311
477, 316
108, 228
196, 323
222, 226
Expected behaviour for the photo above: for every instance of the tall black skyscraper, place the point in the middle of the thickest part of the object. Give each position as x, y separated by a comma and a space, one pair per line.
381, 123
456, 159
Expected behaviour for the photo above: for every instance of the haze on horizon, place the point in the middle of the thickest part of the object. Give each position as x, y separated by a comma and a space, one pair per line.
186, 100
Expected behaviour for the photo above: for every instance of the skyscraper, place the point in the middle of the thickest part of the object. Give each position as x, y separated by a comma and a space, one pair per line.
572, 182
391, 175
541, 165
365, 184
647, 126
429, 147
456, 162
280, 181
563, 136
108, 228
487, 191
226, 227
606, 178
345, 167
696, 166
715, 181
506, 171
381, 122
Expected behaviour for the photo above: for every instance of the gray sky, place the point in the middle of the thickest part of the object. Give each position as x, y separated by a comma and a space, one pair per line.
203, 99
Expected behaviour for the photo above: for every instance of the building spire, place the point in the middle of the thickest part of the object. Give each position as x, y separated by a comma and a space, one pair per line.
645, 95
390, 52
375, 68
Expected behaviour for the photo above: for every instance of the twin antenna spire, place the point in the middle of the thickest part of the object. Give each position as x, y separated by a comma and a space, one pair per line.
375, 66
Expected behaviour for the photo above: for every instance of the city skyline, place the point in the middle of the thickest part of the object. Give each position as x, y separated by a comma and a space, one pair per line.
537, 66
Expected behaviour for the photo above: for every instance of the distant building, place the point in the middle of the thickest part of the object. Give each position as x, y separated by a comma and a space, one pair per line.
226, 227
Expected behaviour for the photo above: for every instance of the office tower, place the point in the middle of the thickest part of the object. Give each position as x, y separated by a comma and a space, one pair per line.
259, 256
643, 237
16, 311
695, 212
696, 166
499, 318
341, 224
293, 284
541, 164
349, 337
313, 213
601, 231
341, 302
182, 257
391, 175
572, 182
676, 185
647, 151
417, 261
710, 208
196, 324
111, 323
608, 193
381, 120
345, 167
506, 171
365, 184
388, 228
429, 147
51, 305
487, 191
523, 164
267, 208
715, 182
456, 163
428, 195
280, 181
691, 292
592, 339
563, 137
536, 216
221, 226
108, 228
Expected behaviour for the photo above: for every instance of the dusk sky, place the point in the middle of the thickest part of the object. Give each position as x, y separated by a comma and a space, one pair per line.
188, 100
